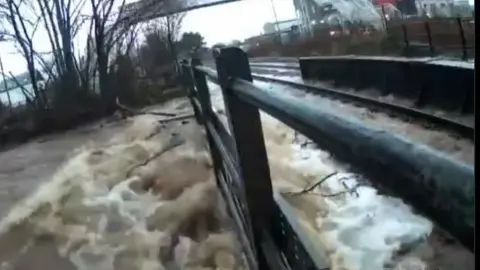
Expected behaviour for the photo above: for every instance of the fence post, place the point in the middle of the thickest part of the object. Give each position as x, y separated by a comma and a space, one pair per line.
188, 82
384, 19
246, 127
405, 36
202, 88
429, 36
462, 39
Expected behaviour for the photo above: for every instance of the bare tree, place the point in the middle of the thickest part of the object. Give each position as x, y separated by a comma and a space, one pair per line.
126, 40
108, 31
61, 21
23, 32
171, 26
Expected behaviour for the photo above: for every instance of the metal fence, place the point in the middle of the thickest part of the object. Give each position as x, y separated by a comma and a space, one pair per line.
432, 37
265, 223
418, 37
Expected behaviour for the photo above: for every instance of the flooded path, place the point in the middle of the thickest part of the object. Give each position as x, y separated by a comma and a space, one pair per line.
134, 194
25, 167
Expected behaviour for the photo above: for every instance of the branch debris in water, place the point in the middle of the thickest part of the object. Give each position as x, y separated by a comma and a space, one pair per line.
352, 190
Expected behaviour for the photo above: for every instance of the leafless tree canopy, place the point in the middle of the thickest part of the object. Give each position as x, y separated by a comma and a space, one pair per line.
88, 55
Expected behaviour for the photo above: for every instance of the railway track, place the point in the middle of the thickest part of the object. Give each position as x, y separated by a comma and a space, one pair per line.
398, 110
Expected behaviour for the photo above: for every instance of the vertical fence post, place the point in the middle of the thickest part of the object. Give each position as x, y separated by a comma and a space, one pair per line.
461, 31
405, 36
246, 127
429, 36
189, 84
384, 19
202, 88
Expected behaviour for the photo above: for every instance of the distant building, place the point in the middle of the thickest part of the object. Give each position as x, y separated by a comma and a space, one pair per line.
406, 7
281, 26
305, 11
461, 2
255, 41
436, 8
19, 80
311, 13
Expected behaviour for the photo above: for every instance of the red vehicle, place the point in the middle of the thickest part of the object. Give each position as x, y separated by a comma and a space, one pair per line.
406, 7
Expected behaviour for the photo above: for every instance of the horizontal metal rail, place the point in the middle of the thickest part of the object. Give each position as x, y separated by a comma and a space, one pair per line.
279, 245
465, 130
210, 73
438, 186
410, 156
279, 66
288, 219
273, 59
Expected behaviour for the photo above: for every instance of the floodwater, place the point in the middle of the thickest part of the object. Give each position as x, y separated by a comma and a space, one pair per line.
132, 194
356, 226
136, 194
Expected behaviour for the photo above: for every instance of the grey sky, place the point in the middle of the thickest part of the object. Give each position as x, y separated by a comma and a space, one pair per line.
236, 20
221, 23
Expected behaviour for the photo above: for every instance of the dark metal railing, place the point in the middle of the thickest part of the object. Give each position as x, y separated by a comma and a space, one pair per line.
266, 225
453, 34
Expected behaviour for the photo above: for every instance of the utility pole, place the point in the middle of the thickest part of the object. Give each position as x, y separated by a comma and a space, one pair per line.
277, 30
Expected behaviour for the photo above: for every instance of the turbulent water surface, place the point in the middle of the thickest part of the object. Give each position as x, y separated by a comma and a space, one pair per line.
142, 199
358, 227
137, 194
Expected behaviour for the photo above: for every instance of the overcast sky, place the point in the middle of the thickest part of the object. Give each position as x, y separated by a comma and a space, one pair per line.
221, 23
236, 20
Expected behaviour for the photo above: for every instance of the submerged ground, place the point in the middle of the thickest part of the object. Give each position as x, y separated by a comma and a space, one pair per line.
137, 194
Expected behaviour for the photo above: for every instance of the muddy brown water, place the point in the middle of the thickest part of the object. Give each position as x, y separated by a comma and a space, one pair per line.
57, 233
24, 168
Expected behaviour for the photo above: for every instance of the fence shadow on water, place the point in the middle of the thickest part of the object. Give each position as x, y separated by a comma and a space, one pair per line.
266, 225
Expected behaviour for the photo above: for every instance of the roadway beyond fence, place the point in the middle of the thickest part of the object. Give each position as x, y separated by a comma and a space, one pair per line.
434, 184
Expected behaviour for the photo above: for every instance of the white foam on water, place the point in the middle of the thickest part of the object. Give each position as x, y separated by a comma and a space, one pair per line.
360, 230
100, 219
99, 215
